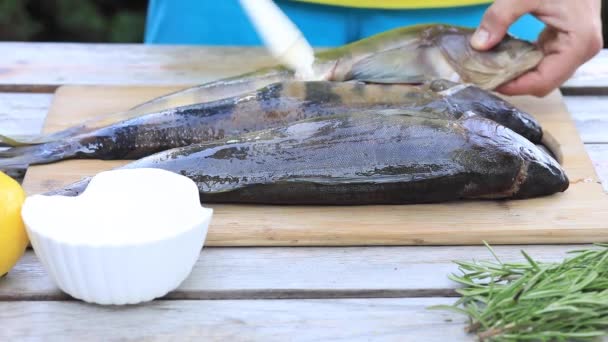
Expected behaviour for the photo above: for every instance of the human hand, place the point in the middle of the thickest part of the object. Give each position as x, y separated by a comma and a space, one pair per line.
572, 36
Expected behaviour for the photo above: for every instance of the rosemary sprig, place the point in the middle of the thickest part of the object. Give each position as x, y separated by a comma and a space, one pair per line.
535, 301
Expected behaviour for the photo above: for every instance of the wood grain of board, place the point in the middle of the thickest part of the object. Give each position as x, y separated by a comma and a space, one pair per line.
402, 319
576, 216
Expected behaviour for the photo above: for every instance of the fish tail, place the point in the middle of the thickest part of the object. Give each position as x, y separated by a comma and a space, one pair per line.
23, 156
26, 140
12, 141
71, 190
208, 92
6, 141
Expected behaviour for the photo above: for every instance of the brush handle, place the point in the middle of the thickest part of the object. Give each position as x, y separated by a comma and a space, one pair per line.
281, 36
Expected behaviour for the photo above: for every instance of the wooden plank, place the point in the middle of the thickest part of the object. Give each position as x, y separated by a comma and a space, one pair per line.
591, 75
254, 273
599, 155
589, 114
52, 64
23, 113
242, 320
44, 66
551, 219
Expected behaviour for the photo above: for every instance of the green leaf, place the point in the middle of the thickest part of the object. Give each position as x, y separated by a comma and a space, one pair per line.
535, 300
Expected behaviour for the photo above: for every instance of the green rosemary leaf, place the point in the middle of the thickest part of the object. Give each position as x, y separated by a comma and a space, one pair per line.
492, 251
535, 301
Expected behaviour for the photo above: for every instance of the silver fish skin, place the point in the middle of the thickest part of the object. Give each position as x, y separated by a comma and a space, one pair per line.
364, 159
272, 106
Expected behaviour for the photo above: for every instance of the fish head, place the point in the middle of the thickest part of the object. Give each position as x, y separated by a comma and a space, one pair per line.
489, 69
468, 97
544, 176
534, 172
541, 174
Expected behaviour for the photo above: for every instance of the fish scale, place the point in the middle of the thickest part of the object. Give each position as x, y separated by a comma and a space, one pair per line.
364, 158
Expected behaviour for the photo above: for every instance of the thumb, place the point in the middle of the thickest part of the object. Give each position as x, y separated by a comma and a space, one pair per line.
497, 19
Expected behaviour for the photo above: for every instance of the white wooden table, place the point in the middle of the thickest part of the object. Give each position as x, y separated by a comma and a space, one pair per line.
374, 293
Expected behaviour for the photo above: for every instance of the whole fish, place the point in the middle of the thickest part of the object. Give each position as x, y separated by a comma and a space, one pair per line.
413, 55
272, 106
363, 159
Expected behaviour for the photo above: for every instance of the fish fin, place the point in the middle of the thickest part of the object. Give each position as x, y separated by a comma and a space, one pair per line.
207, 92
26, 140
8, 153
84, 127
13, 141
7, 164
23, 156
17, 172
7, 141
71, 190
392, 66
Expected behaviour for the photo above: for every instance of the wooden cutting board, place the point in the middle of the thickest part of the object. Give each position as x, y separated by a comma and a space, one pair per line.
579, 215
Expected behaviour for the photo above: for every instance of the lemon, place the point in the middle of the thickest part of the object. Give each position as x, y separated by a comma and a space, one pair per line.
13, 237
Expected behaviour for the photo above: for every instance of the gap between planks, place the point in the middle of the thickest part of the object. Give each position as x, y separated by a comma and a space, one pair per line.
302, 272
248, 320
271, 294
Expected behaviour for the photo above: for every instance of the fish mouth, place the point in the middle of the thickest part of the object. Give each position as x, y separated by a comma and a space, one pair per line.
530, 59
487, 77
525, 62
543, 175
542, 179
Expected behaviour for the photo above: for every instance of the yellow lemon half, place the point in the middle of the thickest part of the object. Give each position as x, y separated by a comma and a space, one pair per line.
13, 237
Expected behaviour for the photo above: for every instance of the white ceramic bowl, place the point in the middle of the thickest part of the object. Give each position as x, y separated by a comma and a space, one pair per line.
132, 236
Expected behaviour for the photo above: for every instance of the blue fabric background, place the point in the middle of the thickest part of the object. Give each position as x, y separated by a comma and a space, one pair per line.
223, 22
